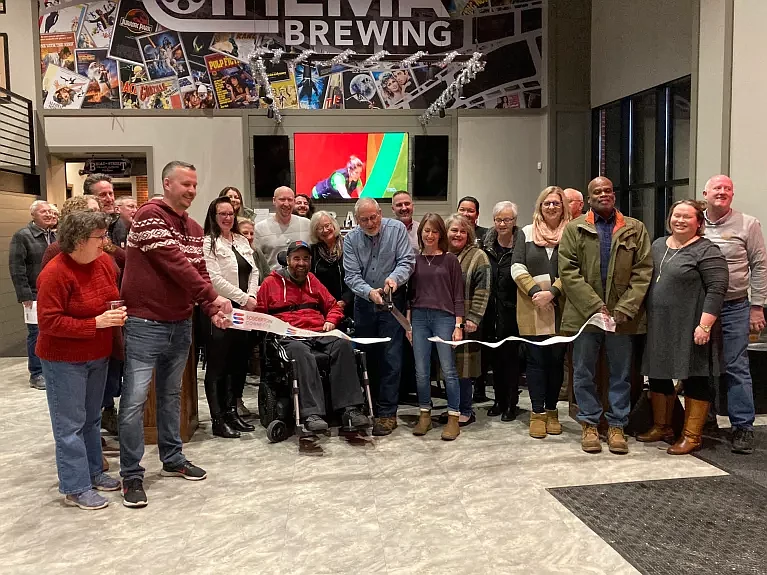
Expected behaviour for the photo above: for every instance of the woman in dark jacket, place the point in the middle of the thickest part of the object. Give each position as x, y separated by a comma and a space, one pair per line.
328, 259
501, 315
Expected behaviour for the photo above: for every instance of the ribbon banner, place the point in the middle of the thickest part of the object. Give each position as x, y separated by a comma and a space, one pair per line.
254, 321
603, 322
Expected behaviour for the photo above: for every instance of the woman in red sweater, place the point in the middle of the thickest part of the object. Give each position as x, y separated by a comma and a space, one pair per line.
76, 324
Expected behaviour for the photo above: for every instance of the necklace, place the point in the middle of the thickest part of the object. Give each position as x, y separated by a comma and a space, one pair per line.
668, 247
428, 261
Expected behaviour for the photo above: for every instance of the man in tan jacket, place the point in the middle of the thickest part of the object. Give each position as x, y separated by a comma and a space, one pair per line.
605, 266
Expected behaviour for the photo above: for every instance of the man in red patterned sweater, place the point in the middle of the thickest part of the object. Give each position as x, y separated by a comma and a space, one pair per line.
164, 277
296, 296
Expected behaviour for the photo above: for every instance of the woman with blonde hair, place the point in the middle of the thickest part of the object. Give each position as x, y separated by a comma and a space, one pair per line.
328, 258
540, 300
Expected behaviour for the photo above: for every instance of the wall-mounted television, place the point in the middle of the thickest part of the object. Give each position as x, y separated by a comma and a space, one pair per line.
271, 164
338, 167
430, 167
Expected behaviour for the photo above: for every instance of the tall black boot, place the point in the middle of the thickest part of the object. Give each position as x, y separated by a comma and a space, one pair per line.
222, 429
235, 421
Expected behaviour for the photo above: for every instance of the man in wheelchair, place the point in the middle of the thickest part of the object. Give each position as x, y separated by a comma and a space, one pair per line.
295, 295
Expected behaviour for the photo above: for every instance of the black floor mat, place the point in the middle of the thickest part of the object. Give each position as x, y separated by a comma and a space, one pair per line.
700, 526
716, 451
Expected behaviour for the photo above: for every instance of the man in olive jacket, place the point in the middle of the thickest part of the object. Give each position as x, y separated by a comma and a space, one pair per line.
605, 265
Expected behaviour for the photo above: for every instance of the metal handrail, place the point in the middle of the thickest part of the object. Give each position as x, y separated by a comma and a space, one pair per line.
17, 133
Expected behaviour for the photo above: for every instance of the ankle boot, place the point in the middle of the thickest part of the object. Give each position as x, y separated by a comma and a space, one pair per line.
235, 422
662, 411
537, 425
221, 428
424, 422
496, 410
553, 427
452, 429
695, 412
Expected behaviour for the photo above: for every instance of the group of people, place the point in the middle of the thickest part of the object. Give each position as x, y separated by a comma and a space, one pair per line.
111, 312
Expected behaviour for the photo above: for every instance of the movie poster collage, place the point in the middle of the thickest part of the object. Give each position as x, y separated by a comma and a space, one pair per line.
112, 54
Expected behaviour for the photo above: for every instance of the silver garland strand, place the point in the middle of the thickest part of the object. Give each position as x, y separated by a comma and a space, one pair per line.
300, 59
258, 68
467, 74
375, 58
341, 58
277, 55
411, 60
448, 59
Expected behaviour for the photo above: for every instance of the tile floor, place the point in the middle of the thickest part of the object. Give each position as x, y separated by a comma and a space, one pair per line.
392, 505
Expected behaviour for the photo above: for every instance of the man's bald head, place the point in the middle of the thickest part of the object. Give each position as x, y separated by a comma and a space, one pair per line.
718, 192
575, 199
599, 182
602, 196
284, 190
719, 180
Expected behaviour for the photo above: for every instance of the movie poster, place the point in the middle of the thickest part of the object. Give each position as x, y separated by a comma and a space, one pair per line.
57, 50
395, 87
61, 21
232, 82
360, 91
238, 45
130, 76
96, 25
285, 95
197, 90
164, 55
66, 89
334, 94
104, 86
197, 46
310, 87
159, 95
132, 20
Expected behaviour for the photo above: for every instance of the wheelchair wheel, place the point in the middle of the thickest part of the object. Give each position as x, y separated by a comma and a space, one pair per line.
267, 402
277, 431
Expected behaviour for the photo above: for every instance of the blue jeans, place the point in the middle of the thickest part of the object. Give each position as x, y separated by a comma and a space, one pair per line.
737, 374
33, 362
428, 323
74, 392
164, 348
384, 359
467, 394
619, 350
114, 382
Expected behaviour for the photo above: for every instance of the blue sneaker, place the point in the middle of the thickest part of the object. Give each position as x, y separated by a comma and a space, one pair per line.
86, 500
102, 482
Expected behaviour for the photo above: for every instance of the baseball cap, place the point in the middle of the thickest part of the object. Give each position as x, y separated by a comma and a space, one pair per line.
297, 245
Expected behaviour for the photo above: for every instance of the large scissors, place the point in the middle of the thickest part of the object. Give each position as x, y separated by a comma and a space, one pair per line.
389, 306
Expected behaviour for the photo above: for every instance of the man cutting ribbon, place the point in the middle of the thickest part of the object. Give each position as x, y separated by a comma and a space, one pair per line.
295, 295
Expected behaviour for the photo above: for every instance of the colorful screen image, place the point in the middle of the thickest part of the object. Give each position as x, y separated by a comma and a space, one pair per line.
350, 166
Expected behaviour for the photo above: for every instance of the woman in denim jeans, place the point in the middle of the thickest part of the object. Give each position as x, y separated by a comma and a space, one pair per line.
76, 324
436, 308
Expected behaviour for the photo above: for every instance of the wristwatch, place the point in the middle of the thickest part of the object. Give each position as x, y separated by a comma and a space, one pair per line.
706, 328
459, 325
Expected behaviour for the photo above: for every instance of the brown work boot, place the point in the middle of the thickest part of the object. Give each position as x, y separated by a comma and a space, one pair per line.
695, 412
452, 429
553, 427
662, 410
384, 425
424, 422
537, 425
590, 439
616, 441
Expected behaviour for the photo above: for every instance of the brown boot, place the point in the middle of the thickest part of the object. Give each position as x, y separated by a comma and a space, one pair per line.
590, 439
662, 410
384, 425
537, 425
616, 441
553, 427
424, 422
452, 429
695, 412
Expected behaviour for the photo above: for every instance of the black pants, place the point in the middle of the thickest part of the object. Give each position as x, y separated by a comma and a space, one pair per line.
545, 372
505, 358
694, 387
345, 389
227, 352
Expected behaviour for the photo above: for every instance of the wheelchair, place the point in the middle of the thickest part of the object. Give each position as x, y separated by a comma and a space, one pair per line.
278, 390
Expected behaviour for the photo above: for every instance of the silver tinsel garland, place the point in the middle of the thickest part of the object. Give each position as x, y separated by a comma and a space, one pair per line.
448, 59
258, 68
375, 58
466, 75
300, 59
341, 58
411, 60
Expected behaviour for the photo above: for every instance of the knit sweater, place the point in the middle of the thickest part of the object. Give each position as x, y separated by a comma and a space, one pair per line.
437, 283
475, 267
165, 271
69, 297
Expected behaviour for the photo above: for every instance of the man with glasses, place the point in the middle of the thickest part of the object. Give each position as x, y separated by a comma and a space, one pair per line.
575, 198
605, 265
25, 259
378, 260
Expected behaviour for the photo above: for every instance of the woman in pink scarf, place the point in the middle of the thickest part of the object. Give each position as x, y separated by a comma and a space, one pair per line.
539, 307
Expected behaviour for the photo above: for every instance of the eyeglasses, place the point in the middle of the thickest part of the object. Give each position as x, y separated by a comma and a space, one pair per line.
507, 221
225, 214
325, 227
101, 237
553, 204
371, 219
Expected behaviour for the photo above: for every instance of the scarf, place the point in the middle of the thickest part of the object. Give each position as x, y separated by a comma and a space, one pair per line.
331, 256
544, 236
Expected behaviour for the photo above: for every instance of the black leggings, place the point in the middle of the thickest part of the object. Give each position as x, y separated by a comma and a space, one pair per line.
227, 352
694, 387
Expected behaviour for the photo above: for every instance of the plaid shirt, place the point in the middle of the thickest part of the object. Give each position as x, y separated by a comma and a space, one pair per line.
25, 259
